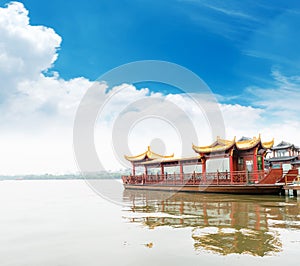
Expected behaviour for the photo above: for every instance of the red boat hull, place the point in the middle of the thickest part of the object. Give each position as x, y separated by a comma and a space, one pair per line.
252, 189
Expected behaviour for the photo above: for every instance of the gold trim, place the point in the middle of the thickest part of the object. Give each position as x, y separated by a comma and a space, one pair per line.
147, 154
248, 144
219, 145
268, 145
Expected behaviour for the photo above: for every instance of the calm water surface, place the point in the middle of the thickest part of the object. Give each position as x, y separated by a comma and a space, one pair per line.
63, 222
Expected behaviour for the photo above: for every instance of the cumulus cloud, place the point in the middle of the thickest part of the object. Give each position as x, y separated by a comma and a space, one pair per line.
132, 119
242, 120
36, 111
25, 50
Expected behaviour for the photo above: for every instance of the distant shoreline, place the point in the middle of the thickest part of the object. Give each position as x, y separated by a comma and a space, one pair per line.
62, 177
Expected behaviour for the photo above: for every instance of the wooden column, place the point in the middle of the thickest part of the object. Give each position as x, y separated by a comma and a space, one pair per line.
203, 161
181, 172
133, 169
162, 170
231, 165
255, 163
146, 173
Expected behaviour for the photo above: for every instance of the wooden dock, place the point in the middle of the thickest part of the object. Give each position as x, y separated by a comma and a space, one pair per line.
292, 190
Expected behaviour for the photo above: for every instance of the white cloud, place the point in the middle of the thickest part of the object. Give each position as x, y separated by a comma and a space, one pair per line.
242, 120
25, 50
273, 112
281, 101
137, 117
36, 111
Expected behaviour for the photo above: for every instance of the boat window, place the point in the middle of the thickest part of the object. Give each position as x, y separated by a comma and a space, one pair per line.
192, 168
220, 164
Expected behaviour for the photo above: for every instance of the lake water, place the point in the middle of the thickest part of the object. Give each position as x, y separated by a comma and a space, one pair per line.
64, 222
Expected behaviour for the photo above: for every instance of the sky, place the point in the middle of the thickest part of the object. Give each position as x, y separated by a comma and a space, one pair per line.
52, 52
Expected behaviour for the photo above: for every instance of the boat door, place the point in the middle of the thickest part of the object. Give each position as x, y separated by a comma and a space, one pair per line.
249, 165
245, 164
240, 166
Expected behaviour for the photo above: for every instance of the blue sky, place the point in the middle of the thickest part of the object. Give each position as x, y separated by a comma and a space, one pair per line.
51, 52
229, 44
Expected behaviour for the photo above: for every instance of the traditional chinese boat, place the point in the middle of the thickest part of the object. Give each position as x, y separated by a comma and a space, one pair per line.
225, 166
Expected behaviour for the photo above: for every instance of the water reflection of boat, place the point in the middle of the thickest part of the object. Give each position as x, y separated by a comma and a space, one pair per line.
219, 223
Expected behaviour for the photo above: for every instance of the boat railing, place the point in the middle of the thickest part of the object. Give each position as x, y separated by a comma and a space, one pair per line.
195, 178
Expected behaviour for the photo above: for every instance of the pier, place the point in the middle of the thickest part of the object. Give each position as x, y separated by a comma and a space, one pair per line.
292, 190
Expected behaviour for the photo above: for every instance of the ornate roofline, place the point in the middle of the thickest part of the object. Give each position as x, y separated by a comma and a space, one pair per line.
248, 144
149, 154
221, 145
284, 145
268, 145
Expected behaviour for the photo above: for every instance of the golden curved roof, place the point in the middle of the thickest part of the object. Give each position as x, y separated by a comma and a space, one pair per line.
219, 145
251, 143
147, 155
268, 145
248, 143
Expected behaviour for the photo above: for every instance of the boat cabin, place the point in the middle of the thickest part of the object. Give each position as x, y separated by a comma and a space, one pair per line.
224, 161
245, 155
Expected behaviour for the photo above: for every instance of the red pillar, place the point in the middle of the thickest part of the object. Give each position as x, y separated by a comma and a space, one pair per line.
181, 172
133, 169
231, 166
162, 171
255, 164
203, 160
263, 161
146, 173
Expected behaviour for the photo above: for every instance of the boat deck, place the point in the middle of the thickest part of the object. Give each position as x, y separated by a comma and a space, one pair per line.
239, 182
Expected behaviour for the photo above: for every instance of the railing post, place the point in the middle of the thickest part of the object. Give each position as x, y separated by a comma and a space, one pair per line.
231, 176
285, 179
